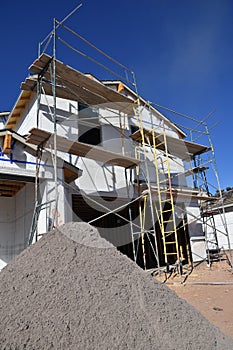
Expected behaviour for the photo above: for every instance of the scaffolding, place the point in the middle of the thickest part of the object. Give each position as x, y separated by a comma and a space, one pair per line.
158, 229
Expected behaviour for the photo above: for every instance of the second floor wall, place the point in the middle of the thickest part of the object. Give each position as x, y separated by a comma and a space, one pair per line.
108, 127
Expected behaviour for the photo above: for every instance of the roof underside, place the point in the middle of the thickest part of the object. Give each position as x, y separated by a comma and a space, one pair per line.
46, 139
10, 188
19, 108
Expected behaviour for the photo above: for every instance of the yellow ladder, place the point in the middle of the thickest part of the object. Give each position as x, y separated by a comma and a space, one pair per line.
140, 151
165, 210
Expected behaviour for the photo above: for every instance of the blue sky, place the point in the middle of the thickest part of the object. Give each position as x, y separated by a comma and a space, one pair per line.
180, 50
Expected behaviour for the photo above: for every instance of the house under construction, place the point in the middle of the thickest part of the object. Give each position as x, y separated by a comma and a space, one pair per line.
75, 148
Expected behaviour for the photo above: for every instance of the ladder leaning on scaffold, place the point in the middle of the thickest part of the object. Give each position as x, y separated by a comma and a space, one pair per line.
162, 203
148, 197
165, 207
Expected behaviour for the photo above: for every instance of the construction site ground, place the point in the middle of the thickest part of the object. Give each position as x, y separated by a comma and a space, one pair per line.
209, 290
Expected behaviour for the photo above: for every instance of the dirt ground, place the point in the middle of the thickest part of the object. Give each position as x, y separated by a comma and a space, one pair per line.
73, 290
214, 301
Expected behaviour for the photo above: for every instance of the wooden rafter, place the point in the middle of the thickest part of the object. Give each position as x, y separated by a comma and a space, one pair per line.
10, 188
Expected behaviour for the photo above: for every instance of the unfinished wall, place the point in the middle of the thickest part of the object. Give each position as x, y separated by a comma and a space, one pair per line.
18, 161
15, 220
65, 111
196, 234
27, 119
7, 229
99, 177
152, 119
222, 239
24, 206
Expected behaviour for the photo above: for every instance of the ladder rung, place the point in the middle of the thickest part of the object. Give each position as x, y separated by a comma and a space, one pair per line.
160, 182
165, 200
163, 190
169, 231
163, 161
166, 211
159, 144
171, 254
170, 242
165, 221
159, 135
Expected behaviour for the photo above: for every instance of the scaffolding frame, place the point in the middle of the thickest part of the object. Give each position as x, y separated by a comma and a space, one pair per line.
142, 198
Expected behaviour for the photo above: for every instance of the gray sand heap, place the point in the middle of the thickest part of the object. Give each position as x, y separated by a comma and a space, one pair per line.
64, 293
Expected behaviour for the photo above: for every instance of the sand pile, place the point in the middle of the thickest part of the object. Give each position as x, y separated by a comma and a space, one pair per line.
60, 294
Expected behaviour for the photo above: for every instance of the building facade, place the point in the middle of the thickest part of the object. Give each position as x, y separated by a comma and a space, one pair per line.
97, 152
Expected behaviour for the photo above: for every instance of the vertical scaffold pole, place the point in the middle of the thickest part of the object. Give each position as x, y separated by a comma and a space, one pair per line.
223, 215
55, 124
132, 234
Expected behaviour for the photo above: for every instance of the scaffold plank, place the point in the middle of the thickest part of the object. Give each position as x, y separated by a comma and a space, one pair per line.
195, 170
182, 193
74, 76
177, 147
45, 139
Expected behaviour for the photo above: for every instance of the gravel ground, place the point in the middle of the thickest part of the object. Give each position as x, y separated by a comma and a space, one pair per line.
73, 290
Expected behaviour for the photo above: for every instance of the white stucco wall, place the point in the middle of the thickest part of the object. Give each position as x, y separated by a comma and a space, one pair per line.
15, 221
7, 230
96, 177
66, 111
16, 212
196, 234
222, 238
24, 206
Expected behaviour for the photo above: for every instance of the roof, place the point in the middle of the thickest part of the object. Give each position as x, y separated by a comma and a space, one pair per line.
46, 139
